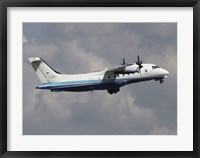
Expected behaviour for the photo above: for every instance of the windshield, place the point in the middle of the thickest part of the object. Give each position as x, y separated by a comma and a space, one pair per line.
155, 67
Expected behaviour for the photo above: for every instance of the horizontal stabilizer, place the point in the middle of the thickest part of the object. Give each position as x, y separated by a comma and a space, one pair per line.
34, 59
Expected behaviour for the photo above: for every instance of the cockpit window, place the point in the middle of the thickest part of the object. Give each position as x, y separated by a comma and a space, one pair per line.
155, 67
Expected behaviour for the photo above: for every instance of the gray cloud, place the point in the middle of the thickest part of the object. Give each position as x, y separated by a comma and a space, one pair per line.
142, 108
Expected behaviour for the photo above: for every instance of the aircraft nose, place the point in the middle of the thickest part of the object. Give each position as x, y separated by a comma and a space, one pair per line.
165, 72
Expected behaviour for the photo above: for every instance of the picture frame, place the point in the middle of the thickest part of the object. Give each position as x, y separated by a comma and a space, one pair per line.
83, 3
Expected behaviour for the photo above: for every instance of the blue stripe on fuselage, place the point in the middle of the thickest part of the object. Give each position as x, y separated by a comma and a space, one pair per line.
65, 84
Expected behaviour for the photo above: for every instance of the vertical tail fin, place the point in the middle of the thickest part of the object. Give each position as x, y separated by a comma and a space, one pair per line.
44, 72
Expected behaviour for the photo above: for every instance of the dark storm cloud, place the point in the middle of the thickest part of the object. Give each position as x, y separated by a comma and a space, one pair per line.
143, 108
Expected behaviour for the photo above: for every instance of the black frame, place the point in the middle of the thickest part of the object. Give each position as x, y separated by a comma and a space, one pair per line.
4, 4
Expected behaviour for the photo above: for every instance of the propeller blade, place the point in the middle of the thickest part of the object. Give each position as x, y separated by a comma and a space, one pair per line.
138, 60
139, 63
124, 61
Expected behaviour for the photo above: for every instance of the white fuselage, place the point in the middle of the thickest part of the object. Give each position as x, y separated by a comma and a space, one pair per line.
106, 80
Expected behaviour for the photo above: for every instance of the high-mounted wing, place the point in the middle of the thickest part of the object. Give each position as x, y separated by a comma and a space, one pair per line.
121, 70
125, 68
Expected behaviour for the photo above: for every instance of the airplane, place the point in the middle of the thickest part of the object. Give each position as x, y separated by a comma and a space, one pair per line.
111, 79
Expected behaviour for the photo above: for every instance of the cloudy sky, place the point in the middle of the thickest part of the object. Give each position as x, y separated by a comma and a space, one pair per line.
147, 108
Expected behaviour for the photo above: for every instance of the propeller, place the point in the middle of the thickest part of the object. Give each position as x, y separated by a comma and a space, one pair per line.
139, 62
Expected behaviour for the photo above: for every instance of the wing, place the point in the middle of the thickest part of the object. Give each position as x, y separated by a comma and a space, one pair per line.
115, 69
121, 70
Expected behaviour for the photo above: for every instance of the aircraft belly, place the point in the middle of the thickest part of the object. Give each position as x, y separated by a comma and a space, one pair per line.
86, 87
